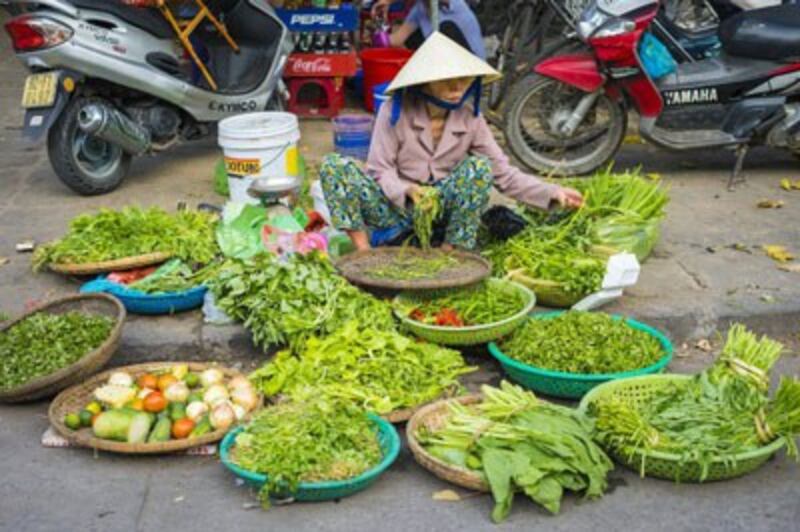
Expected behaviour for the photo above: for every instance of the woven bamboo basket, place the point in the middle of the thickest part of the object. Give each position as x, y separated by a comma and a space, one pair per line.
49, 385
433, 417
128, 263
404, 414
355, 267
77, 397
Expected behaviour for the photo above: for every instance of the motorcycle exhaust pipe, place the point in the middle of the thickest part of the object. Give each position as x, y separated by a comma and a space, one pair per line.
107, 123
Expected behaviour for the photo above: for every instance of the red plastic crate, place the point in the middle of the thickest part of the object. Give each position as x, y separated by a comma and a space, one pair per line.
316, 97
321, 65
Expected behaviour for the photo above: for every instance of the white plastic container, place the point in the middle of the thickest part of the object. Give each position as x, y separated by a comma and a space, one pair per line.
260, 146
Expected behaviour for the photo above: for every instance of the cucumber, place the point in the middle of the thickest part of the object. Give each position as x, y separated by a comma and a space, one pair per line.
161, 430
139, 427
202, 428
177, 411
113, 424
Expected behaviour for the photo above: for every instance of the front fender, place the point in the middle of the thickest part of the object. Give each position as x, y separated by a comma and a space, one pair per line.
578, 70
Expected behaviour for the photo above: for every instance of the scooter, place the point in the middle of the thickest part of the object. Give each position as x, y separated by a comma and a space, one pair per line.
573, 116
110, 82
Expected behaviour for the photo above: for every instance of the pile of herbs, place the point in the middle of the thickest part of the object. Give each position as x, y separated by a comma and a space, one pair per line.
44, 343
414, 266
110, 235
427, 210
582, 342
622, 212
306, 442
377, 370
522, 444
175, 276
288, 302
721, 412
482, 304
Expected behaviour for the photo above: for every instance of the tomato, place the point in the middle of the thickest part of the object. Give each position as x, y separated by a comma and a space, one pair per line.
137, 404
155, 402
148, 380
165, 381
182, 428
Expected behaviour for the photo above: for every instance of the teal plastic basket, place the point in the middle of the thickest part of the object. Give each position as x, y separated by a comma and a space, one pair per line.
575, 385
388, 439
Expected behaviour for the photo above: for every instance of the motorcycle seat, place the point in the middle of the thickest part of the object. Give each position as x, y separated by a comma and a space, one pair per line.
771, 33
144, 18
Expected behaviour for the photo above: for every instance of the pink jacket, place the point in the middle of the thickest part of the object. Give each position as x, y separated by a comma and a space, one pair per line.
404, 154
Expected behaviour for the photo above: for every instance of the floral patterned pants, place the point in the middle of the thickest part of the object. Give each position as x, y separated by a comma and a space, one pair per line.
357, 203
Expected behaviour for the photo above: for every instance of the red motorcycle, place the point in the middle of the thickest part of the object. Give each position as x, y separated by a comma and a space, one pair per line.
569, 116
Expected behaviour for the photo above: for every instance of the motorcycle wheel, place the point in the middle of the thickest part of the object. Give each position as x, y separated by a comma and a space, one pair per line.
538, 105
86, 164
511, 48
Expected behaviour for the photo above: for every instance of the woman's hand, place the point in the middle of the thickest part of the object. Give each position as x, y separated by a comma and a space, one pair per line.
414, 193
568, 197
380, 8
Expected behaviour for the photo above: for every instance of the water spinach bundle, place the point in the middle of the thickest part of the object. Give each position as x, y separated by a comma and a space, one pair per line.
110, 235
583, 342
379, 371
288, 302
427, 210
44, 343
721, 412
522, 444
306, 442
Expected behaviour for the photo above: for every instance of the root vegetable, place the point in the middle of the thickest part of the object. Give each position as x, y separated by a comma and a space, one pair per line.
210, 377
245, 397
120, 378
239, 382
222, 416
215, 394
114, 395
196, 410
177, 392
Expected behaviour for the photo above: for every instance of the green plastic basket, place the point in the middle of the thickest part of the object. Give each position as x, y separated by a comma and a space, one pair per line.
575, 385
470, 335
323, 491
669, 466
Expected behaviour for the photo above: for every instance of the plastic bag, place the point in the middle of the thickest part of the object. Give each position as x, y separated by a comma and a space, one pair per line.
655, 57
623, 233
241, 237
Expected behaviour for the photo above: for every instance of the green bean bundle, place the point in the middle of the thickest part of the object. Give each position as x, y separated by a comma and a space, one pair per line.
427, 210
483, 304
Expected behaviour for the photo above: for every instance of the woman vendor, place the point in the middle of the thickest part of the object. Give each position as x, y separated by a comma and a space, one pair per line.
431, 134
456, 20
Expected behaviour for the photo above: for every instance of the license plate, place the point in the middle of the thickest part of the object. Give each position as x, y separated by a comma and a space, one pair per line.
40, 90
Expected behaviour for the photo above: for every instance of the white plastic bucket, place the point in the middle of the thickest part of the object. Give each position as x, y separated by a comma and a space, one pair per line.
260, 146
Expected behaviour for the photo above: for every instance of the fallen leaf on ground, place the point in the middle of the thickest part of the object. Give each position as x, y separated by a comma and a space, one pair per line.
786, 184
768, 298
633, 139
794, 268
778, 253
653, 176
703, 345
446, 496
3, 261
770, 204
740, 247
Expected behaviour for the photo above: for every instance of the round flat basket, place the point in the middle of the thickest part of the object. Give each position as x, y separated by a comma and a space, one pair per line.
404, 414
575, 385
473, 334
77, 397
637, 391
323, 491
356, 267
137, 302
127, 263
49, 385
433, 417
548, 293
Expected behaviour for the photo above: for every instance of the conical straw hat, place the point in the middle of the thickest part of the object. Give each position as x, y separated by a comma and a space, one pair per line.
438, 59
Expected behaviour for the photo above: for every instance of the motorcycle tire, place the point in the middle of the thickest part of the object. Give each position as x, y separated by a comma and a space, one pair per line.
511, 48
534, 157
66, 144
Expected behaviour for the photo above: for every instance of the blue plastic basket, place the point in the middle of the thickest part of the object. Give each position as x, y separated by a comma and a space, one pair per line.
151, 304
575, 385
388, 439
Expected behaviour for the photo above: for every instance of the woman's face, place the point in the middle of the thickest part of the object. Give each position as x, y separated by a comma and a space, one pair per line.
449, 90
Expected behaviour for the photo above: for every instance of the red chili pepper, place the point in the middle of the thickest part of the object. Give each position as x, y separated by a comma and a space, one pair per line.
448, 317
417, 315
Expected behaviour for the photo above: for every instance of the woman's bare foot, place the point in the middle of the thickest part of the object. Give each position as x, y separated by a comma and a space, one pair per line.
447, 247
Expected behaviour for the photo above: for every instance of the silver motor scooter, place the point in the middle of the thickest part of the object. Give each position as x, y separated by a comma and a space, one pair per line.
109, 82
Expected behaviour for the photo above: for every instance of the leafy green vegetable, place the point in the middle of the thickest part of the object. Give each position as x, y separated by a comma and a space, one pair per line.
175, 276
289, 302
723, 411
583, 342
520, 443
44, 343
309, 442
380, 371
622, 212
427, 210
110, 235
481, 304
415, 266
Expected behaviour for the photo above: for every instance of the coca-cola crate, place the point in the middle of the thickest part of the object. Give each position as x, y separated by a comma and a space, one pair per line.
316, 97
321, 65
343, 18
